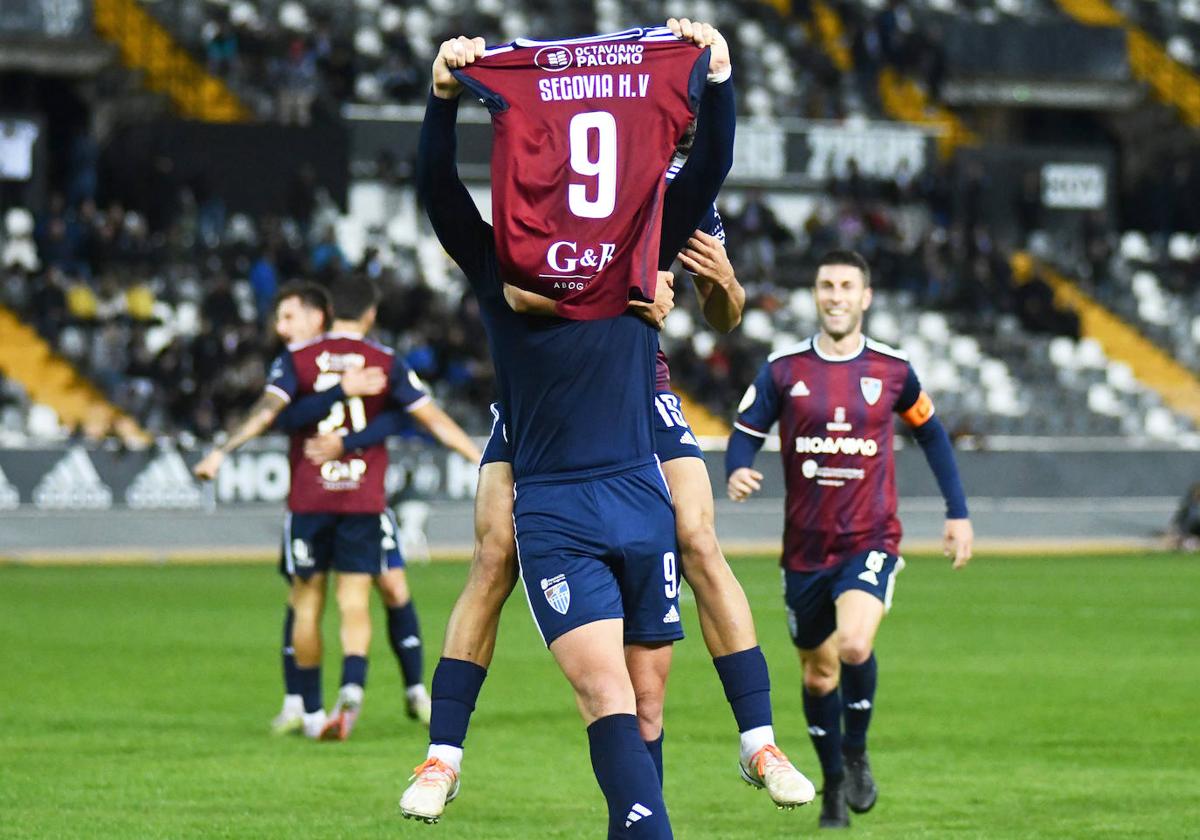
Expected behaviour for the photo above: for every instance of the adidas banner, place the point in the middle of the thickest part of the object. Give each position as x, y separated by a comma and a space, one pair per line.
77, 477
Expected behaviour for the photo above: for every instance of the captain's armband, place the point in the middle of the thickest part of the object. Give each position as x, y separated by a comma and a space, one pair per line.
918, 413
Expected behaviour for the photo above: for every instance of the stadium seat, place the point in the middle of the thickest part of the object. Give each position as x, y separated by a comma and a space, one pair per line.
1135, 247
1160, 423
1181, 247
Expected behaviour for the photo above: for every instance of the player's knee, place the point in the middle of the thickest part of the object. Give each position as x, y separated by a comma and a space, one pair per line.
820, 677
602, 694
854, 650
394, 590
649, 711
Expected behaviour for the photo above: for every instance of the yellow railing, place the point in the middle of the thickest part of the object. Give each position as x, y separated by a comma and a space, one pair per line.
1152, 366
904, 100
1171, 82
832, 36
145, 45
51, 380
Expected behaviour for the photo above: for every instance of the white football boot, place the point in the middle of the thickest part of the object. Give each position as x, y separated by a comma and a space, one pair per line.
770, 769
434, 785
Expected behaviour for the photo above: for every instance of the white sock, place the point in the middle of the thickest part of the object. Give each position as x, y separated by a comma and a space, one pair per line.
755, 739
448, 754
293, 704
414, 691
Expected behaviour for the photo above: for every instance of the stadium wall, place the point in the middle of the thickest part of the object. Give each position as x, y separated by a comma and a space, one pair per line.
71, 502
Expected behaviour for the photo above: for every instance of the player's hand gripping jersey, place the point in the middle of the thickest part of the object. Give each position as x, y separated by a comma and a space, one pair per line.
584, 130
354, 484
836, 435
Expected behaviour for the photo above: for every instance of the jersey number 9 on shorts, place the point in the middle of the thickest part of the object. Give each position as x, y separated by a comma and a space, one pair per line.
670, 575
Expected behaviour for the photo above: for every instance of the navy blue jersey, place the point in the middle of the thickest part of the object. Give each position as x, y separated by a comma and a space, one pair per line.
578, 394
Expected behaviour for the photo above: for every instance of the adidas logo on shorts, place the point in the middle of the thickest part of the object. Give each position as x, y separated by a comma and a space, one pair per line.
637, 813
672, 616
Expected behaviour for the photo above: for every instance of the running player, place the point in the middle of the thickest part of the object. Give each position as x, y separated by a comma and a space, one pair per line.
834, 396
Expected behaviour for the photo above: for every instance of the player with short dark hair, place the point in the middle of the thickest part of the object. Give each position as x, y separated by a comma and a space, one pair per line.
834, 396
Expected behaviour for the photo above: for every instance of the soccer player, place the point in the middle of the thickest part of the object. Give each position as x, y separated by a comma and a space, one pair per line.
592, 515
834, 396
336, 506
302, 314
472, 625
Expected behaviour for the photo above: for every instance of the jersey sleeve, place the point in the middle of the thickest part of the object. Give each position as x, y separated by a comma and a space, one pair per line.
383, 426
689, 198
456, 221
759, 408
913, 405
406, 388
281, 378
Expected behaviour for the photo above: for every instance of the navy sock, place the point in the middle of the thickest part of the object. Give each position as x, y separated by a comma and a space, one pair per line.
824, 716
747, 685
404, 635
308, 683
354, 670
655, 749
290, 686
626, 775
858, 699
456, 685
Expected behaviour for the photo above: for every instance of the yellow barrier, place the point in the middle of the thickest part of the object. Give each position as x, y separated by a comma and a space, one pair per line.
51, 380
1153, 367
145, 45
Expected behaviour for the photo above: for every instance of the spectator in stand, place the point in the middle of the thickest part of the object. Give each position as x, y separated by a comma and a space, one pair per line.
297, 83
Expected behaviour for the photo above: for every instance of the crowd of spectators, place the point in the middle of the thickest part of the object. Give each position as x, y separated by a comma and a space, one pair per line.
172, 321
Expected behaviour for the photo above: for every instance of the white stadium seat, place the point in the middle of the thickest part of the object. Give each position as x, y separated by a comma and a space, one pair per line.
1135, 247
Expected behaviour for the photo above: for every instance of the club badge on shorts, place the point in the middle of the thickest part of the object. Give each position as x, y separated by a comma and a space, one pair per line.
558, 593
872, 389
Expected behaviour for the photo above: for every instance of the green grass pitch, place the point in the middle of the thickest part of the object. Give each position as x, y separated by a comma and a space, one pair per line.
1025, 697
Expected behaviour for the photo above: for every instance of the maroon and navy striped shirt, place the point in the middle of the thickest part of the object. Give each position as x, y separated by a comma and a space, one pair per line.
836, 435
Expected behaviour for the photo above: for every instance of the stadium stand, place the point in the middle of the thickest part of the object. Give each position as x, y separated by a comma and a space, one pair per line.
159, 297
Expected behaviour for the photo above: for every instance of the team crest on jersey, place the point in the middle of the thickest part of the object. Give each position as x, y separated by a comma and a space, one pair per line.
558, 593
872, 389
553, 59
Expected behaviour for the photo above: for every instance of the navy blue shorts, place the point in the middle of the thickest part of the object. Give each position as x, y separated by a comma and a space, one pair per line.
365, 543
673, 436
810, 596
599, 548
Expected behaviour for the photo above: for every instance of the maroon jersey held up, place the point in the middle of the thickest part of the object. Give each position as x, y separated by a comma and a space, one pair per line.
584, 132
836, 436
354, 484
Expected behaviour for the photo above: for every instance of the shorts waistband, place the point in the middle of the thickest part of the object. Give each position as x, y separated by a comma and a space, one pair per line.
585, 475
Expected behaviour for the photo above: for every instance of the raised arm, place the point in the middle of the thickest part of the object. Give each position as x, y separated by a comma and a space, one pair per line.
455, 218
694, 189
